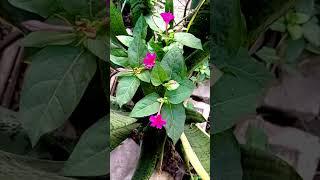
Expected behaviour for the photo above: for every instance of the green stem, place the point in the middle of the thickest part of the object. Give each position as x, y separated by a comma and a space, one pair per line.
159, 166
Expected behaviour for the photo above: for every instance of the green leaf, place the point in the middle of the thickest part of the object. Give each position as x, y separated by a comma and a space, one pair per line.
137, 51
196, 144
256, 137
140, 28
116, 21
120, 128
151, 148
260, 14
183, 92
295, 31
54, 85
268, 55
43, 8
91, 153
84, 8
255, 162
279, 25
188, 39
121, 61
230, 28
198, 57
98, 46
294, 50
237, 91
119, 52
305, 6
146, 106
15, 166
125, 40
158, 75
227, 157
124, 73
311, 31
175, 116
156, 23
126, 89
193, 116
144, 76
173, 63
44, 38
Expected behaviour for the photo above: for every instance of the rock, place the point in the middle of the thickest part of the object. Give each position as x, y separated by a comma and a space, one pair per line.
124, 160
300, 149
297, 95
203, 91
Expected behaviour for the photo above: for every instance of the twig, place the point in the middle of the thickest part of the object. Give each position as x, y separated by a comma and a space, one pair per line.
13, 79
9, 39
6, 64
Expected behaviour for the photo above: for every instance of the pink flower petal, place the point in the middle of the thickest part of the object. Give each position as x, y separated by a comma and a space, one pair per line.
167, 17
157, 121
149, 60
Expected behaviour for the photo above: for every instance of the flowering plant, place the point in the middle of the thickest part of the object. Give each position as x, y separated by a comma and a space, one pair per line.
154, 64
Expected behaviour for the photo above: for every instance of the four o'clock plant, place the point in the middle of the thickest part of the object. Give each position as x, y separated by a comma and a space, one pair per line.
155, 63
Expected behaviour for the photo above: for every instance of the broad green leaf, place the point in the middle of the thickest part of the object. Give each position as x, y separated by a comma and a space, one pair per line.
295, 31
137, 51
256, 138
121, 61
86, 8
268, 55
229, 27
120, 128
182, 93
305, 6
188, 39
22, 167
260, 14
140, 8
41, 7
158, 75
175, 116
54, 85
146, 106
91, 153
126, 89
198, 57
173, 63
119, 52
279, 25
44, 38
125, 40
294, 49
255, 162
196, 144
226, 162
237, 91
193, 116
311, 31
156, 23
140, 28
151, 148
98, 46
124, 73
116, 21
144, 76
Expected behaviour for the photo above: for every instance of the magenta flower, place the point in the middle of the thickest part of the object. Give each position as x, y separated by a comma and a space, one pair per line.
167, 17
157, 121
149, 60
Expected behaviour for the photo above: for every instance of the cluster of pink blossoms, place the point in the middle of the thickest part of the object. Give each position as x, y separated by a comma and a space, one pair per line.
149, 61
